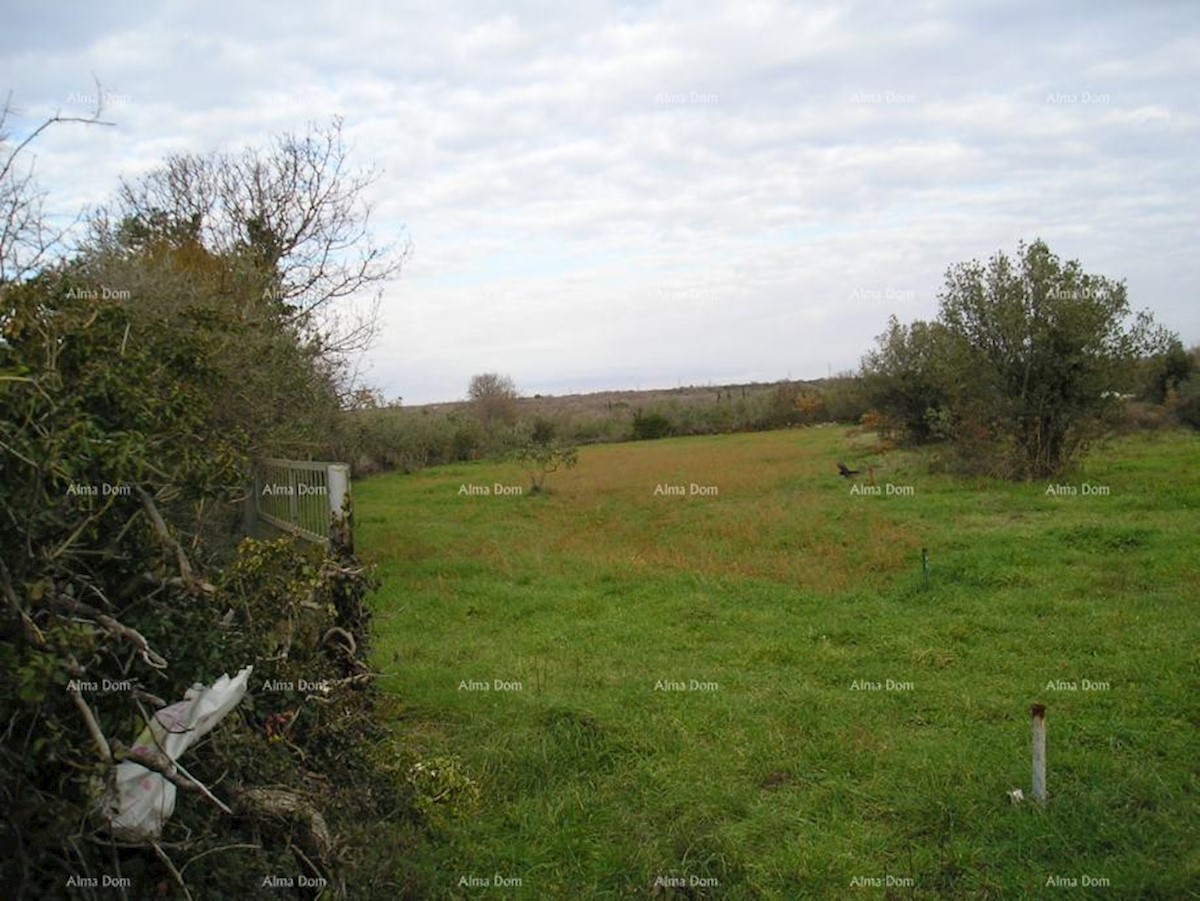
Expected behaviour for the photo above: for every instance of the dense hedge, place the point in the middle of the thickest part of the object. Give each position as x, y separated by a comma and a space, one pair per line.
122, 583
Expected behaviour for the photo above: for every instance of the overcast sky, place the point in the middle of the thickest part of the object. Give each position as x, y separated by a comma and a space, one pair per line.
620, 195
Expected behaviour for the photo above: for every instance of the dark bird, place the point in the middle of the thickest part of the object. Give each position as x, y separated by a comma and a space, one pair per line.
845, 472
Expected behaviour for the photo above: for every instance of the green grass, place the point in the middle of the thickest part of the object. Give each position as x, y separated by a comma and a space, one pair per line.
777, 778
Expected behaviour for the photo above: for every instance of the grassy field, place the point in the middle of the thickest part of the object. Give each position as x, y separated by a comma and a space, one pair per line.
754, 693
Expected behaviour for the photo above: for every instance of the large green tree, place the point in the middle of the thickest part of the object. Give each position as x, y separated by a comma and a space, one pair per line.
1023, 365
1046, 348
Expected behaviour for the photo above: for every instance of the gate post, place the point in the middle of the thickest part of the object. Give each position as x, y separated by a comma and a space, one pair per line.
341, 526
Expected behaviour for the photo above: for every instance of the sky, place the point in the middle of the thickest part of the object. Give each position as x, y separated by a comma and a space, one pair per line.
608, 195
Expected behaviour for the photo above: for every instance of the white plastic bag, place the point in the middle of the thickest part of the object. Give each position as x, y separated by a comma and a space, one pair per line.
142, 800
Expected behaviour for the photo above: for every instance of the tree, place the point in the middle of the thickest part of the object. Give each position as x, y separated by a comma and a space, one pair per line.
1023, 366
290, 219
365, 398
541, 453
1167, 372
280, 389
791, 404
1039, 350
258, 251
494, 398
906, 377
1187, 397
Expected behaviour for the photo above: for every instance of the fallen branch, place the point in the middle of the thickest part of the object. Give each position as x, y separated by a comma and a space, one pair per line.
349, 645
175, 874
71, 607
32, 632
287, 805
164, 535
171, 770
358, 679
89, 720
308, 863
140, 695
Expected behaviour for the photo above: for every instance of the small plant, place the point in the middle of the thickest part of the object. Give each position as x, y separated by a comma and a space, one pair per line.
441, 789
539, 451
539, 460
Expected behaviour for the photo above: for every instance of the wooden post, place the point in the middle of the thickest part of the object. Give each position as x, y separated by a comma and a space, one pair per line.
1038, 711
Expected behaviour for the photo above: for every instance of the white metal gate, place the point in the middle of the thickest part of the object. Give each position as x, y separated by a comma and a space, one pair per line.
301, 496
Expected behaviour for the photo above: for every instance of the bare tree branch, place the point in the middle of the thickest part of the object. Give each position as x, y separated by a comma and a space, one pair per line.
89, 720
175, 874
171, 770
165, 536
294, 212
68, 605
25, 239
287, 805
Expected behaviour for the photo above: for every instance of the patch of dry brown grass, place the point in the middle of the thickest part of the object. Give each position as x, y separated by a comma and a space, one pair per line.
772, 517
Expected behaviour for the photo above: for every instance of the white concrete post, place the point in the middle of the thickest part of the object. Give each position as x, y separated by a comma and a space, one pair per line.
1038, 711
340, 527
339, 487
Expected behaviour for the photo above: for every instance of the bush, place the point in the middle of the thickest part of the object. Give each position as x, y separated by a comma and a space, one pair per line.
387, 439
650, 426
120, 472
538, 451
845, 399
1164, 373
1187, 403
1025, 359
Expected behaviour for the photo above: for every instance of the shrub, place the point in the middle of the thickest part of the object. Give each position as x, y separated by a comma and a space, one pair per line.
1187, 403
649, 426
537, 450
1025, 359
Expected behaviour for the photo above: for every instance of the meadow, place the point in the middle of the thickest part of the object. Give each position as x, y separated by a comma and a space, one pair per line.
753, 690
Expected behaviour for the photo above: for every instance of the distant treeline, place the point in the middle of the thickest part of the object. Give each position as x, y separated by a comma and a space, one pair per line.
375, 439
387, 438
1029, 361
